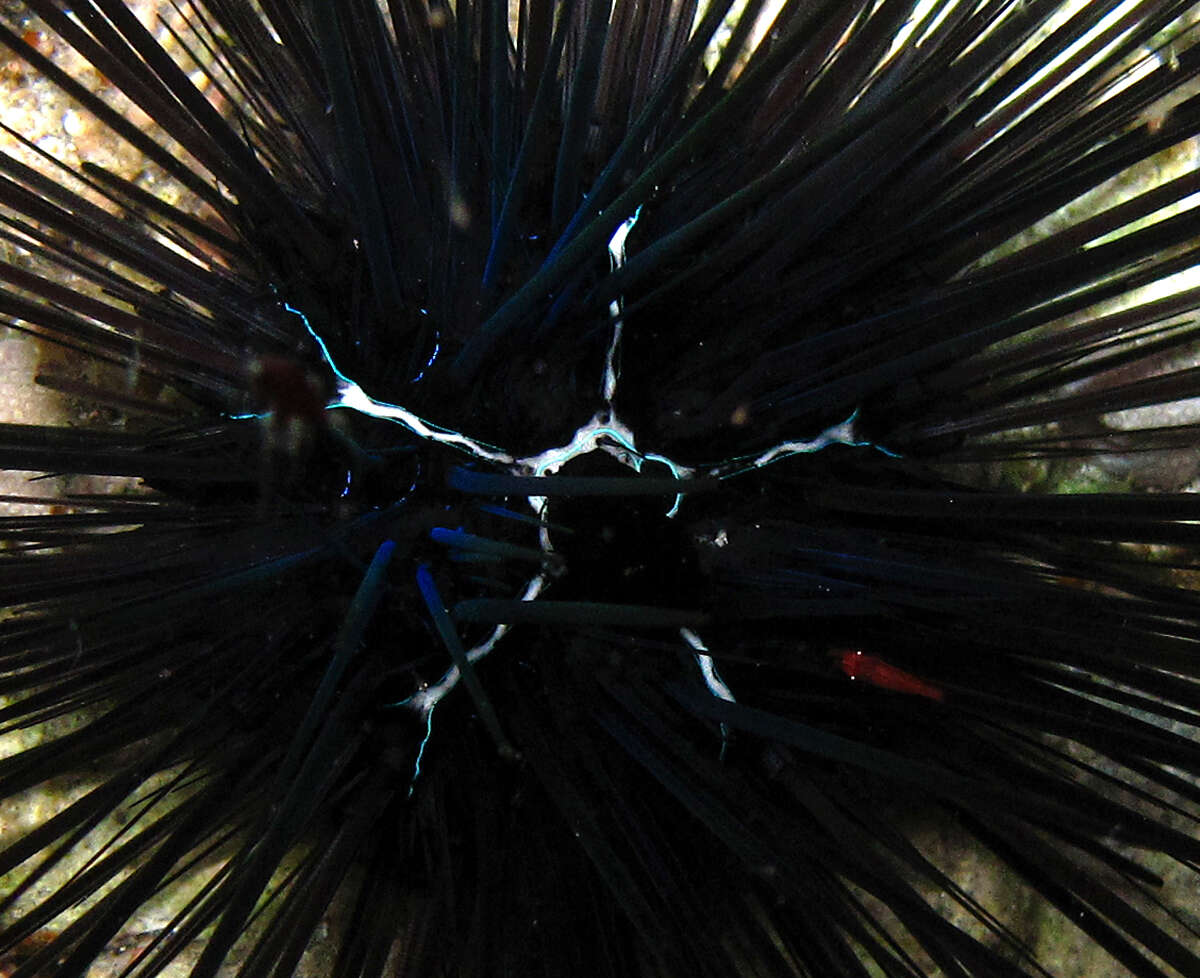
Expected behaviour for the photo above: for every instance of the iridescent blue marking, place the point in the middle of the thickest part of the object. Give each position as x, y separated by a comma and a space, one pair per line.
325, 354
437, 348
412, 783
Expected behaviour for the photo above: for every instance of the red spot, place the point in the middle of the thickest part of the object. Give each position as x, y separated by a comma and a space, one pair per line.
871, 669
17, 955
289, 390
39, 41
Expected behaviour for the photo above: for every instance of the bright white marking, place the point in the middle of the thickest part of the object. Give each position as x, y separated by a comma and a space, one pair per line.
716, 685
712, 679
423, 701
351, 395
841, 433
604, 432
612, 365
